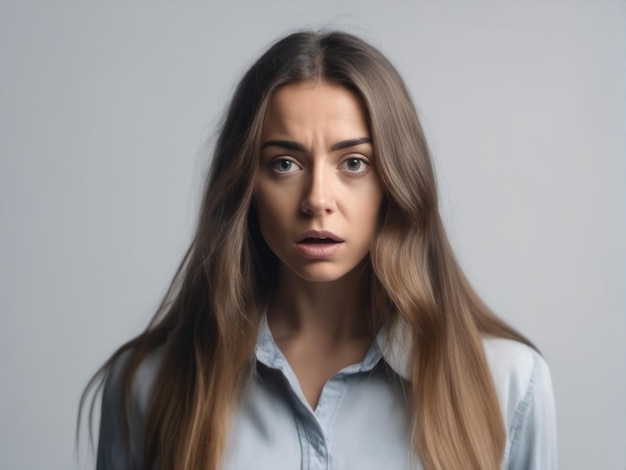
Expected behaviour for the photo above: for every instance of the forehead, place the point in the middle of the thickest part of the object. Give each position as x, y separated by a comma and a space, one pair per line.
310, 108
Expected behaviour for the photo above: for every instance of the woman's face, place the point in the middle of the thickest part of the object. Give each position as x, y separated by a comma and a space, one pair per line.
318, 196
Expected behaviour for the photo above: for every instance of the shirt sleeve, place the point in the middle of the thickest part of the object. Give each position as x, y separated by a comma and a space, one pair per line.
113, 452
533, 435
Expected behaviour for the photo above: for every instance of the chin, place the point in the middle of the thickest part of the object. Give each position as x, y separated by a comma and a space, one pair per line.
324, 274
321, 278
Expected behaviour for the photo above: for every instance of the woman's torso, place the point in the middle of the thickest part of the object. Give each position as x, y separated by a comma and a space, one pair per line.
362, 418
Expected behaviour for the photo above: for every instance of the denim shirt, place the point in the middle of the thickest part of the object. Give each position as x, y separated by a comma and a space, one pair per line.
362, 418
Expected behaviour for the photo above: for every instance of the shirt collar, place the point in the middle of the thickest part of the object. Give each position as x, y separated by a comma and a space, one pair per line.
392, 343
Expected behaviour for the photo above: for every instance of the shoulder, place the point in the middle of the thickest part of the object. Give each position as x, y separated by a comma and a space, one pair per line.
519, 373
112, 449
143, 380
514, 366
524, 386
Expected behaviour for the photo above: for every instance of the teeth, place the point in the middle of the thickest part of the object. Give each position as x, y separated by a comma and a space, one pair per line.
322, 238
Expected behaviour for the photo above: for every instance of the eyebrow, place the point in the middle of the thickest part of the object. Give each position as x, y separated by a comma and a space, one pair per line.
291, 145
350, 143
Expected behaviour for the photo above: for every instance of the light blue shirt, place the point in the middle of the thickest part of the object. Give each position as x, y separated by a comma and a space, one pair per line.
361, 421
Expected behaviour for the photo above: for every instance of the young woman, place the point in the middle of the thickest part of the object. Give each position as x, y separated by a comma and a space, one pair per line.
319, 318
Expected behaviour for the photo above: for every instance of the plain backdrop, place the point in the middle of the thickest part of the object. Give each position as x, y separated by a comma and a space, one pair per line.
107, 114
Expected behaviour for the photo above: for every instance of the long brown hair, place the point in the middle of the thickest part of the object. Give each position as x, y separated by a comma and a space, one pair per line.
206, 325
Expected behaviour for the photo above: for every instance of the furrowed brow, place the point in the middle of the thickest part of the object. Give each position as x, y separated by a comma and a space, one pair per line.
350, 143
287, 144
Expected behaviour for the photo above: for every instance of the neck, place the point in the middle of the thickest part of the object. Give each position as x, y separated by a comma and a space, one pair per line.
331, 311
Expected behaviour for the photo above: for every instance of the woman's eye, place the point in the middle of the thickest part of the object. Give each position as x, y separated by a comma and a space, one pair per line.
283, 165
355, 165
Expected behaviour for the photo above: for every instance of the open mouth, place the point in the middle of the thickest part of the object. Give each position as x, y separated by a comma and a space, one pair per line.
319, 237
318, 244
316, 241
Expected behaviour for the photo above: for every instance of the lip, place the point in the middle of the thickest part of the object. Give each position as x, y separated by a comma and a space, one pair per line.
318, 250
319, 234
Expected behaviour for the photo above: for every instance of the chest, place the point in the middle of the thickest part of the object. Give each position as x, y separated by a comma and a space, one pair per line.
361, 421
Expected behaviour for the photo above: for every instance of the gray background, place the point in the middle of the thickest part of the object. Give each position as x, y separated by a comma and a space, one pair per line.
105, 115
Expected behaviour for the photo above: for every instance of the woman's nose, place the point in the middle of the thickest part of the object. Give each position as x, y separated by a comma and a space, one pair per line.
319, 197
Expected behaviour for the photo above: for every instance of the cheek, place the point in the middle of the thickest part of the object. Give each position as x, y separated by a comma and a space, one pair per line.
370, 206
271, 210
